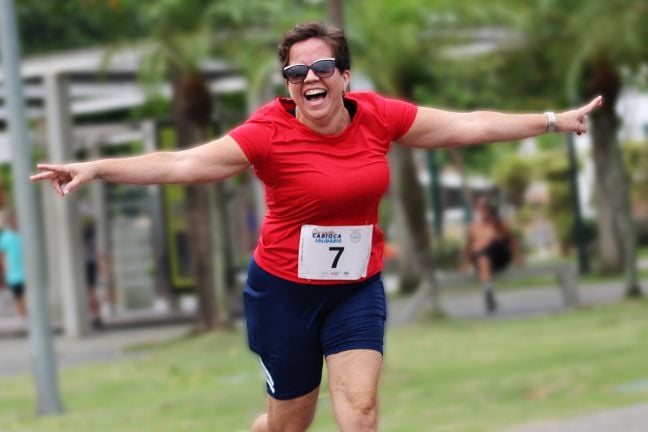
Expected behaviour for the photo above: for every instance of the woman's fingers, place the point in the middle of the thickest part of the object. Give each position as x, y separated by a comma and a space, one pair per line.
63, 178
72, 185
46, 175
49, 172
576, 120
52, 167
594, 104
57, 186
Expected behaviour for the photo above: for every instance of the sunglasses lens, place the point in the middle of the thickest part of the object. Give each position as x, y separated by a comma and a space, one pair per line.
296, 73
323, 68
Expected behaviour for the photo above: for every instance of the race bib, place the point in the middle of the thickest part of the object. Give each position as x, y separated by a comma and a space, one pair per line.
334, 252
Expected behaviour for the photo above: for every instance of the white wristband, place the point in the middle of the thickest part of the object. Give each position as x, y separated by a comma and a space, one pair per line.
551, 121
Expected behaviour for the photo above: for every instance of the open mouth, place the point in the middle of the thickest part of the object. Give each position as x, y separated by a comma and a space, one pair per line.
315, 95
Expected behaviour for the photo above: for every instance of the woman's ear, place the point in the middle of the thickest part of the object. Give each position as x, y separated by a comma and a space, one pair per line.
346, 75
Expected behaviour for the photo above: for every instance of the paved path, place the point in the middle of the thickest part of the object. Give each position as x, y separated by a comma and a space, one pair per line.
513, 303
628, 419
101, 347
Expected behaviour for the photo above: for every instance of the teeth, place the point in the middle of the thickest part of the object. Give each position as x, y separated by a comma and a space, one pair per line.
314, 92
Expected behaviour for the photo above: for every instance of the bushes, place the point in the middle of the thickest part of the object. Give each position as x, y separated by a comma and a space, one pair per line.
448, 254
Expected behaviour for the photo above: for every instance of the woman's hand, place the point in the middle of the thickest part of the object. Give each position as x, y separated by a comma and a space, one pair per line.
576, 120
66, 178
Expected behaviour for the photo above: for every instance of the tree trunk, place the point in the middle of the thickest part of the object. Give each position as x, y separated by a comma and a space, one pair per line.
192, 112
335, 13
220, 240
409, 270
617, 233
607, 178
458, 161
410, 191
201, 253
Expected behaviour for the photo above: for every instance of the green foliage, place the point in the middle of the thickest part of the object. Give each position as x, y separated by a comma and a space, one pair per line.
169, 18
47, 26
155, 106
635, 155
554, 168
387, 45
551, 142
448, 254
179, 39
514, 173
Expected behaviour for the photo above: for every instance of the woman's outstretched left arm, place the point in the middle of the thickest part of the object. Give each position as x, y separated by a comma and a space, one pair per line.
435, 128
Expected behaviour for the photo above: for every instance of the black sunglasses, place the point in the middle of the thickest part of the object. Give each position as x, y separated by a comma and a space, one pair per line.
296, 74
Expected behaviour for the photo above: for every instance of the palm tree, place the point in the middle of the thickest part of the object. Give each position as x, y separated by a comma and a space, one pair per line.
335, 13
601, 62
183, 34
179, 40
386, 38
588, 48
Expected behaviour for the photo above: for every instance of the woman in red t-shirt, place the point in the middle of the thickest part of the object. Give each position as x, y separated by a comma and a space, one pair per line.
314, 286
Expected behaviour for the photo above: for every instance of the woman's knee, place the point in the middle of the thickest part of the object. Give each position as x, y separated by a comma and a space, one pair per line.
293, 415
289, 424
279, 423
363, 410
261, 424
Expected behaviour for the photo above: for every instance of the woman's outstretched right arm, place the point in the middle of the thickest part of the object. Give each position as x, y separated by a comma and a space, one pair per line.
210, 162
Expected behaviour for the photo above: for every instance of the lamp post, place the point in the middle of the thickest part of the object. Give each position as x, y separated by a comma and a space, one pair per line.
40, 332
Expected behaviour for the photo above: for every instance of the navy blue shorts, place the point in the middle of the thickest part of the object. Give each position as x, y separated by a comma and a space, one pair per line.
291, 326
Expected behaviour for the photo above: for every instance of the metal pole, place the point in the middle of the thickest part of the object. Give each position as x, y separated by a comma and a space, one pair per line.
435, 193
578, 227
40, 333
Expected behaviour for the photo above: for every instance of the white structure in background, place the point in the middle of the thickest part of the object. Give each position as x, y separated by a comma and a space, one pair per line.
632, 108
97, 85
633, 111
58, 88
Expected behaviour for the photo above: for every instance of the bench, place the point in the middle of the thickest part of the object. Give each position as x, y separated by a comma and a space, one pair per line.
566, 276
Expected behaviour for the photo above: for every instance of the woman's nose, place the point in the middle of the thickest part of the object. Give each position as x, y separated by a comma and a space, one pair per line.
311, 76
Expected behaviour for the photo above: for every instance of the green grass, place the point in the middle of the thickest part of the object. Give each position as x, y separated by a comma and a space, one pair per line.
439, 376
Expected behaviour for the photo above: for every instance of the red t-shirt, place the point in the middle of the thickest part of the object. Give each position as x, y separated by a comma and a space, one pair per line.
317, 179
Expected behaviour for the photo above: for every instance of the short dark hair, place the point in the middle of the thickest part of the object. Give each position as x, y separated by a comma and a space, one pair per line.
333, 36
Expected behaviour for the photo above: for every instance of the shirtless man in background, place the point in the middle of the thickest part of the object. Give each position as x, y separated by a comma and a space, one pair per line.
490, 247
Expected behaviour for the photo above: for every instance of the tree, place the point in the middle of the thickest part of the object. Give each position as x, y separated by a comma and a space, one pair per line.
335, 12
71, 24
601, 62
386, 39
229, 29
598, 68
564, 53
180, 38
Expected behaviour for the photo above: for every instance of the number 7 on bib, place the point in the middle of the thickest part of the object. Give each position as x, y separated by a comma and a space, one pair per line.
334, 252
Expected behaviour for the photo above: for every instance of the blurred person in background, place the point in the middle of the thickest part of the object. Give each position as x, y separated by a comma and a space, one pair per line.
490, 246
3, 285
91, 271
3, 219
12, 262
314, 289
